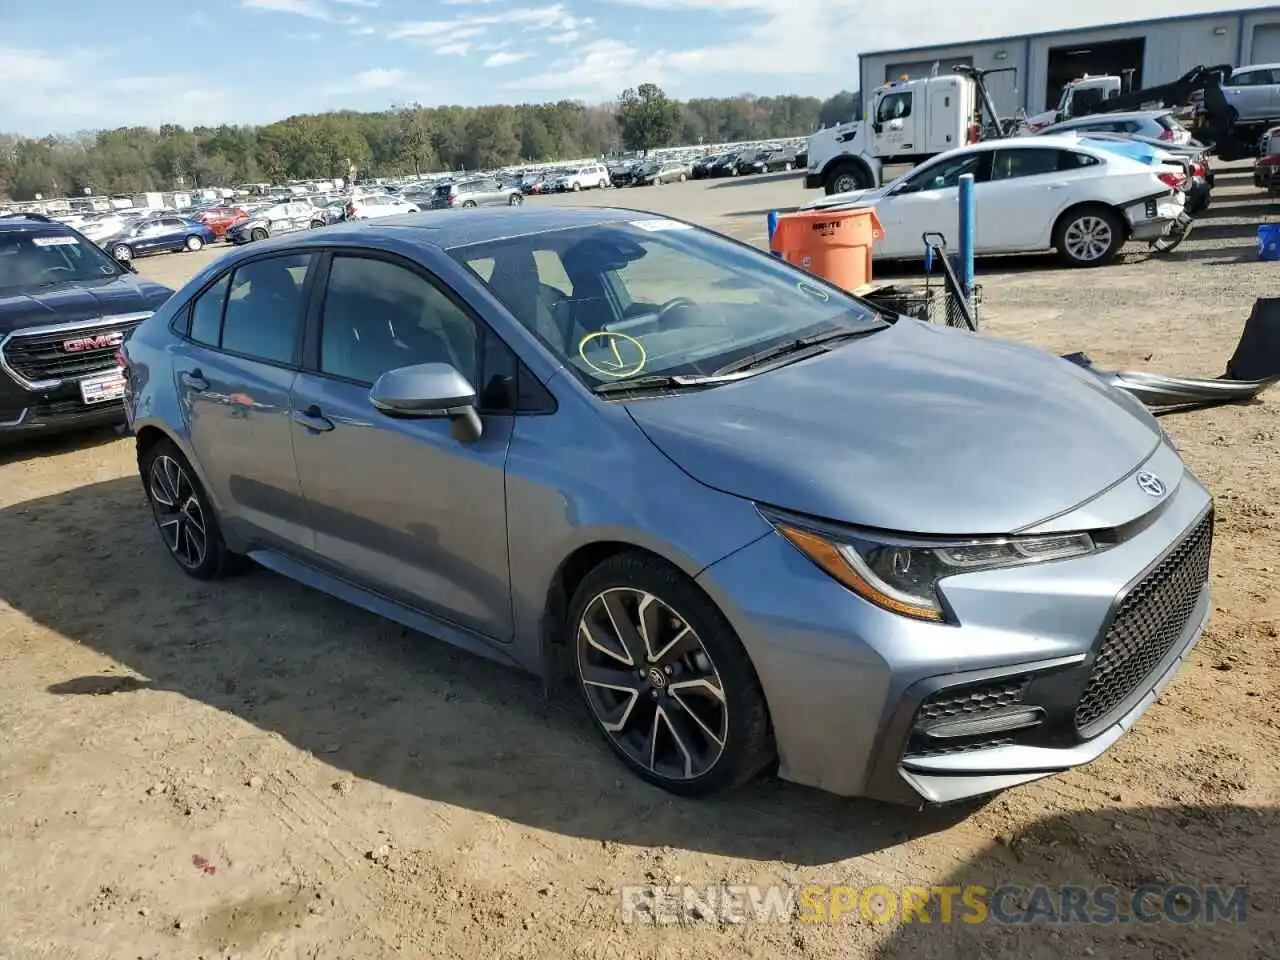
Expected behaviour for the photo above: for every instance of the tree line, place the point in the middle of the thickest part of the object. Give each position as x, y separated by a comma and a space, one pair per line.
406, 139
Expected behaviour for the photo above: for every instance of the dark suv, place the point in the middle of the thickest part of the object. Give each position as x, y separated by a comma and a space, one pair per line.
65, 309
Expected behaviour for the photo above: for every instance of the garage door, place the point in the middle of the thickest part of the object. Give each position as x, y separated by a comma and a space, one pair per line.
916, 69
1266, 44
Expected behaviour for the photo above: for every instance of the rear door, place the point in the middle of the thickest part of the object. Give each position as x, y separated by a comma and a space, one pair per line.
234, 371
1026, 190
1250, 93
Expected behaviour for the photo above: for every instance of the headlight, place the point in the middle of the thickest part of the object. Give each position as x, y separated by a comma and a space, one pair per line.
901, 574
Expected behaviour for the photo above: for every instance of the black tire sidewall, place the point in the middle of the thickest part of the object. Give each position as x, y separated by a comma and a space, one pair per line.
749, 746
218, 560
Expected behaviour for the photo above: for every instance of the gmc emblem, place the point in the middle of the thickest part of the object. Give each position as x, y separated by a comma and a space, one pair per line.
99, 341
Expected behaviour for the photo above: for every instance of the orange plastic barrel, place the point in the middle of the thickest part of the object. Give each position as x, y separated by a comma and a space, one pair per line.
834, 244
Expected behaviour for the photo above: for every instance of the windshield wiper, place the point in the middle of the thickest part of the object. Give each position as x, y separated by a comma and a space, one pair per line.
779, 350
659, 382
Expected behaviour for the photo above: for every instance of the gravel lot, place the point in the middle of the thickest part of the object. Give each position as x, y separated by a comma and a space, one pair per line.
249, 768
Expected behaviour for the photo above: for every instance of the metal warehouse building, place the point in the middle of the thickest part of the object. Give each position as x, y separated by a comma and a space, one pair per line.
1156, 50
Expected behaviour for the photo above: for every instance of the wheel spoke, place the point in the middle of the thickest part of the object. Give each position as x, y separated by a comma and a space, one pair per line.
630, 638
592, 634
679, 734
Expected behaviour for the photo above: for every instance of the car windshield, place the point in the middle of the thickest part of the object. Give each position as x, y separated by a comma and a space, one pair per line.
656, 297
29, 259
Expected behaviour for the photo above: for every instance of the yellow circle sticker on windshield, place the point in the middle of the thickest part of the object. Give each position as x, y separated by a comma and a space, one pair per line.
616, 354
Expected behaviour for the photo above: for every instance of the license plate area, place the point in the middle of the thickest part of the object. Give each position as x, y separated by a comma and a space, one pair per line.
102, 387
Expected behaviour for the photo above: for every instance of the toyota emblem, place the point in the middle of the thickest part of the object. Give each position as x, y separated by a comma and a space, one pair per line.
1150, 484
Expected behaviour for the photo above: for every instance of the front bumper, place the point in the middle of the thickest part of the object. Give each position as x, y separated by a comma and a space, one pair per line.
50, 411
867, 703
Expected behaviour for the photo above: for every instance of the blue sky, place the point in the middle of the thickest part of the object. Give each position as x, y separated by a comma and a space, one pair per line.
77, 64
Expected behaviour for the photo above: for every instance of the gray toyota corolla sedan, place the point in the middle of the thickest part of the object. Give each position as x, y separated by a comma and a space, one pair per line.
752, 518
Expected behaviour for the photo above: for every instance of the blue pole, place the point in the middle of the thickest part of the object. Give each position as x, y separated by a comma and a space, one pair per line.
966, 237
773, 228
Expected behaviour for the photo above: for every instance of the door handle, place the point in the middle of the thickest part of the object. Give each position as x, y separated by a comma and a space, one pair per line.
1058, 186
195, 380
313, 419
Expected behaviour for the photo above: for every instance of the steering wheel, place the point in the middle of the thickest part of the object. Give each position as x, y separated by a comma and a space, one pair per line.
674, 304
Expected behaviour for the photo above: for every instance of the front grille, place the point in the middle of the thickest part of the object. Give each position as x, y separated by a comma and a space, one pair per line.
1145, 626
964, 703
971, 701
42, 355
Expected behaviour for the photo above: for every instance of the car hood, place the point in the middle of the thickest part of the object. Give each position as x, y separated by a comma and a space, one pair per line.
916, 429
850, 198
69, 303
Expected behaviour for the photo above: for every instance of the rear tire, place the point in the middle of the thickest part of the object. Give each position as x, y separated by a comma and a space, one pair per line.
1089, 236
183, 514
194, 244
122, 252
576, 186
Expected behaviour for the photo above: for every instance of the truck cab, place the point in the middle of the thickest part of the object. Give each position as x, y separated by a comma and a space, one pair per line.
906, 121
1079, 98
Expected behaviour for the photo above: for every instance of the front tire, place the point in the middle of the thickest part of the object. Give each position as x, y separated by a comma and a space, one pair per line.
576, 186
666, 679
257, 233
1089, 236
846, 178
515, 200
185, 518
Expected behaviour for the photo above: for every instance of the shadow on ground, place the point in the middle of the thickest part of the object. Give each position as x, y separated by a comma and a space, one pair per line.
386, 704
13, 449
1168, 862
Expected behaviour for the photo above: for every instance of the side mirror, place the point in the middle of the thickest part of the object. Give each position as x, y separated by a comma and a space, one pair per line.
430, 390
877, 126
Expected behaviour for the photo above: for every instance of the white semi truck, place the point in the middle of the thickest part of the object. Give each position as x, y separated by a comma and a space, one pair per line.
906, 121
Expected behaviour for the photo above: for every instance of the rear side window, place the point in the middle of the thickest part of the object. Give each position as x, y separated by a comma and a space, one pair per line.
1070, 160
1166, 120
264, 308
206, 313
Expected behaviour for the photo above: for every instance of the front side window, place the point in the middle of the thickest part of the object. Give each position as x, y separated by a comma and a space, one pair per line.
656, 297
894, 107
264, 308
31, 259
380, 316
944, 173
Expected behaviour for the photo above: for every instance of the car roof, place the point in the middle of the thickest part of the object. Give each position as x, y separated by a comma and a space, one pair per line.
448, 229
1256, 66
1116, 115
20, 224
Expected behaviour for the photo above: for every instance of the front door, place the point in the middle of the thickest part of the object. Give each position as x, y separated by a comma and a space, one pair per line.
399, 505
234, 375
927, 201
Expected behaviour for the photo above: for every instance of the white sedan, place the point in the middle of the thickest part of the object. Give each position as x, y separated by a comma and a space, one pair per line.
1062, 193
374, 205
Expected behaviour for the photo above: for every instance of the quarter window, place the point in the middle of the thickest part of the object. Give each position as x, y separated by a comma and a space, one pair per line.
264, 308
206, 313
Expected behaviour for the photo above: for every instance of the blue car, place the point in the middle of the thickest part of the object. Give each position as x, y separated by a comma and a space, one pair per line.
158, 235
754, 521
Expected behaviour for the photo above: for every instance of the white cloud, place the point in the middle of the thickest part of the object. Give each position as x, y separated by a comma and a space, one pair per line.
377, 78
553, 17
567, 37
55, 96
602, 69
504, 58
310, 37
312, 9
363, 32
200, 21
454, 49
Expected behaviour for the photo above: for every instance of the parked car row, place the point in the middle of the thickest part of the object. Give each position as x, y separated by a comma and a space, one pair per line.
739, 164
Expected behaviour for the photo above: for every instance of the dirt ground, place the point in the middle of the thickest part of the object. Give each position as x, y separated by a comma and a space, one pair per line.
252, 769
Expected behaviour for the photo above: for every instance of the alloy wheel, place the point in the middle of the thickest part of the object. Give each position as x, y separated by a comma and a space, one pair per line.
844, 183
1088, 238
178, 512
652, 684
